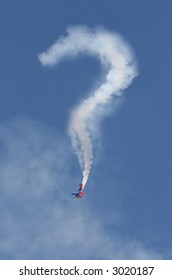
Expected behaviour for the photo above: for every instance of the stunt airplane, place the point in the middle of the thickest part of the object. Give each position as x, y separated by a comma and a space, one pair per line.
79, 193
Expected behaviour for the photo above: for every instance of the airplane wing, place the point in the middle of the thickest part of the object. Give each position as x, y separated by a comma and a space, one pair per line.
75, 193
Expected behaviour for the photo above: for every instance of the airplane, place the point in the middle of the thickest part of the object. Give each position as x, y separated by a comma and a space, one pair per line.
79, 193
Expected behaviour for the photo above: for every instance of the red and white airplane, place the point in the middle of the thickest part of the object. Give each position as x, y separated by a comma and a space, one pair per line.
79, 193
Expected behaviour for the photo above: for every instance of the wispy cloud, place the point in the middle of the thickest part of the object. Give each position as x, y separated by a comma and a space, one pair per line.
38, 219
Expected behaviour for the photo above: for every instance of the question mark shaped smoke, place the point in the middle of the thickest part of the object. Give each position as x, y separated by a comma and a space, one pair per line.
121, 68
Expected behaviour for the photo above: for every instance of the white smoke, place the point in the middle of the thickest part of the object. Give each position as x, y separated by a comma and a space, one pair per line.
117, 58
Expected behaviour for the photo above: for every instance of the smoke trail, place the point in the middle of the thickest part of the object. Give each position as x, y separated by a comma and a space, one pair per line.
116, 56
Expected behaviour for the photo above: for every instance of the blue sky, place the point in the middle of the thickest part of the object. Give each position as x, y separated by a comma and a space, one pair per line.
126, 211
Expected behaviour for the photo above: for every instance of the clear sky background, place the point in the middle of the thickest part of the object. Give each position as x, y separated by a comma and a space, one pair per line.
126, 211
